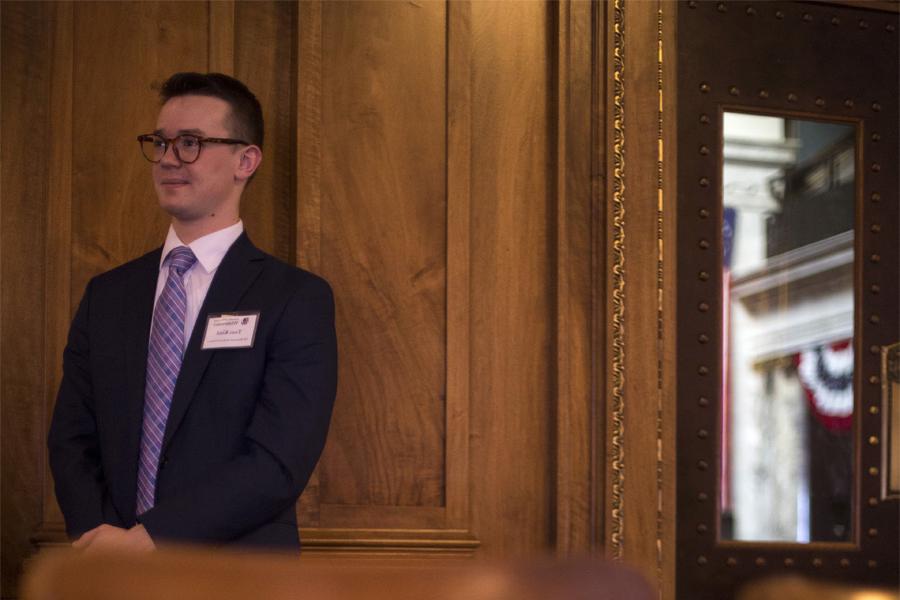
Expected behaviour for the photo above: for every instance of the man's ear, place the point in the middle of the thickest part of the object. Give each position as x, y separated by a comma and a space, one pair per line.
251, 157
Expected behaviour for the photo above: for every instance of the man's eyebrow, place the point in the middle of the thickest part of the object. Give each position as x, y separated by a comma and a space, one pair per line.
198, 132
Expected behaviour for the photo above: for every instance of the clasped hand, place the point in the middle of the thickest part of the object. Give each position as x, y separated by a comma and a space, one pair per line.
109, 537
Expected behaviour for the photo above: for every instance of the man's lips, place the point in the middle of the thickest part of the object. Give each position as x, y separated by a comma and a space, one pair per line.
174, 182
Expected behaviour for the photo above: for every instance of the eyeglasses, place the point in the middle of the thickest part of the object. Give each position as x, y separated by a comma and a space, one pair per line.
186, 147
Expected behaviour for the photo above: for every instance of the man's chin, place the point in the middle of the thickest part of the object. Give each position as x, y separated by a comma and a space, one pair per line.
177, 210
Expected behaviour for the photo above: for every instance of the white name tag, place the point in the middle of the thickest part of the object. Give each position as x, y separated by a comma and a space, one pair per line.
230, 330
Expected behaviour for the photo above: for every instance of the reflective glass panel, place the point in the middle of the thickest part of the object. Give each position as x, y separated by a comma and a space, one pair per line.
787, 360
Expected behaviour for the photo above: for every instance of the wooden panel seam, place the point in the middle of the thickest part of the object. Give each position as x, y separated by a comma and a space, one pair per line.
221, 36
459, 141
58, 300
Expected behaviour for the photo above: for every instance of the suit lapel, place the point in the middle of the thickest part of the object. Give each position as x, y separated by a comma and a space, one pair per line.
137, 316
240, 267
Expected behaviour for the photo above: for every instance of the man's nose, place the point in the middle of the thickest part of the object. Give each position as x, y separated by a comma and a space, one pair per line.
170, 157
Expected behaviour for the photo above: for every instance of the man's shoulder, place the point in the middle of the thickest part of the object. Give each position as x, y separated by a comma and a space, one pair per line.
294, 278
146, 265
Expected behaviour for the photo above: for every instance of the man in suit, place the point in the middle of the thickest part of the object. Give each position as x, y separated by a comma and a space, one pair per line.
198, 380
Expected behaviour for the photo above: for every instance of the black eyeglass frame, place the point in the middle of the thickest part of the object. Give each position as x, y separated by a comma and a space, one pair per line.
149, 137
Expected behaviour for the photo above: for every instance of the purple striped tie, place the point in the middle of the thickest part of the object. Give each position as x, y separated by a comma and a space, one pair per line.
163, 363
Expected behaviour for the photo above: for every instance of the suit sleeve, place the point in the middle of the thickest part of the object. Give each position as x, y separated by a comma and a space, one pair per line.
283, 441
73, 441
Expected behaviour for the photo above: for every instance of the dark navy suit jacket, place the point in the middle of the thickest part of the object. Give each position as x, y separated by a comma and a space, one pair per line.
246, 426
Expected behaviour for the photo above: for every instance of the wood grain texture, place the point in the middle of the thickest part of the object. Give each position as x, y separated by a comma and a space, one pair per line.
221, 36
575, 205
383, 248
264, 51
459, 260
27, 54
115, 216
512, 273
57, 302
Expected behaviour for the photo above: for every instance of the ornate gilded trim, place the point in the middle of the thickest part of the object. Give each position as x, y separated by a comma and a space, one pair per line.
618, 287
660, 332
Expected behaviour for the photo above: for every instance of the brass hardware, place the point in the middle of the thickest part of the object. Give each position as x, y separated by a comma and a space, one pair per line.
874, 410
704, 402
863, 24
702, 465
789, 562
876, 107
751, 11
704, 119
835, 21
704, 182
760, 561
874, 379
845, 563
876, 167
704, 150
701, 560
820, 102
876, 197
692, 4
873, 471
817, 562
890, 27
702, 434
703, 306
873, 532
704, 87
721, 7
703, 370
731, 561
873, 349
875, 258
875, 228
703, 275
704, 245
701, 528
873, 564
779, 14
703, 338
873, 501
848, 103
734, 91
876, 137
874, 319
873, 440
792, 97
702, 497
764, 94
807, 17
875, 288
703, 213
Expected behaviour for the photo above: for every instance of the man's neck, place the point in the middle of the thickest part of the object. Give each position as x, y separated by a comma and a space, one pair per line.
188, 231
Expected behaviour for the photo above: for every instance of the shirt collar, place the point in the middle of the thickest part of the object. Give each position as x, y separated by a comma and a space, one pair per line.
209, 249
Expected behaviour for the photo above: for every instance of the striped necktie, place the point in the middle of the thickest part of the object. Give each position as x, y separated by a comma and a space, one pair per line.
163, 363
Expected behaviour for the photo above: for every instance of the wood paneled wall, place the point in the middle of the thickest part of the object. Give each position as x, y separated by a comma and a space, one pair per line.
450, 169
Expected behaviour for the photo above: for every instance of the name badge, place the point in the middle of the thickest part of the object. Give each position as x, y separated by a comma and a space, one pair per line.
230, 330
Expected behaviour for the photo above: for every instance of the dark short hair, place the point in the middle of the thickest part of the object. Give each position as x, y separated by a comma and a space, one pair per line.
246, 113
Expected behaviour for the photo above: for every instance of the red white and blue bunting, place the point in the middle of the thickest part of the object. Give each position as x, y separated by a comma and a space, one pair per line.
826, 372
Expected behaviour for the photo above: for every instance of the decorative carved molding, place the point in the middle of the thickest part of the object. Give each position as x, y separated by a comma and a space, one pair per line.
660, 306
618, 291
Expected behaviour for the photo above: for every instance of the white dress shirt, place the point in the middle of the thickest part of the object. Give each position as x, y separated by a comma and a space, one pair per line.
209, 250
